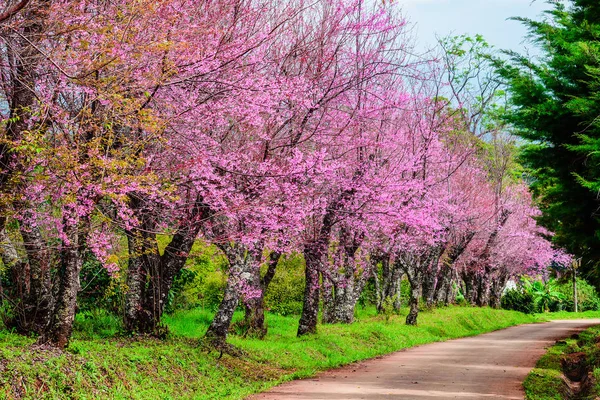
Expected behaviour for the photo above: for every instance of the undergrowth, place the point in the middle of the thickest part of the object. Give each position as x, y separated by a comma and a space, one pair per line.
548, 380
102, 363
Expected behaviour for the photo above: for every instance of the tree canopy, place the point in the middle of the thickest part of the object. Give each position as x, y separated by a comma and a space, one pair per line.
555, 108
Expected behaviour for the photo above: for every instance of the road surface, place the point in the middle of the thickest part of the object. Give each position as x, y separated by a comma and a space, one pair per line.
490, 366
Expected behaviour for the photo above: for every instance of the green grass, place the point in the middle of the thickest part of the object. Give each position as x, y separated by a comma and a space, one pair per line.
568, 315
99, 365
546, 382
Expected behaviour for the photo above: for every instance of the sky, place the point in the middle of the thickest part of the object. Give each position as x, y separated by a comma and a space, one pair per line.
485, 17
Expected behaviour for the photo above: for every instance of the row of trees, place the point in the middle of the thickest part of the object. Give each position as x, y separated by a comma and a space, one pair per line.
263, 128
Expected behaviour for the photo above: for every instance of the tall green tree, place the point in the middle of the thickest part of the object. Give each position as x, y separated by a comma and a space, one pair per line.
556, 108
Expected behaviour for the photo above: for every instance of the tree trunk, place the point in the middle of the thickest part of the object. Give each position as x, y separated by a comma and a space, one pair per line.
30, 278
310, 307
415, 295
391, 283
163, 271
240, 273
219, 327
451, 287
344, 304
61, 327
347, 280
415, 267
444, 285
430, 281
137, 318
497, 288
33, 311
484, 288
339, 306
254, 317
314, 254
150, 275
26, 56
328, 299
412, 269
470, 284
445, 292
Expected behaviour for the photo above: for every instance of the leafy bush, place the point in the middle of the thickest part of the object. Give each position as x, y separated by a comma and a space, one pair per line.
553, 295
587, 296
519, 300
99, 289
201, 282
404, 291
369, 294
96, 323
286, 291
545, 295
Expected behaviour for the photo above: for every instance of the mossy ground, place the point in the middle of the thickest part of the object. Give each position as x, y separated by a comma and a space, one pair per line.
101, 364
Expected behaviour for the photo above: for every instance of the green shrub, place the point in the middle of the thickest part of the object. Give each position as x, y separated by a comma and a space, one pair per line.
518, 300
545, 294
99, 289
286, 291
96, 323
587, 297
553, 295
369, 296
201, 282
404, 291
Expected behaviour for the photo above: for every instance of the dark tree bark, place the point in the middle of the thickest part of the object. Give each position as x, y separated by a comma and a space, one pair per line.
150, 275
142, 253
469, 279
61, 327
415, 267
31, 279
143, 260
482, 284
415, 295
31, 283
25, 58
430, 281
166, 267
327, 298
310, 309
484, 288
444, 292
390, 284
314, 253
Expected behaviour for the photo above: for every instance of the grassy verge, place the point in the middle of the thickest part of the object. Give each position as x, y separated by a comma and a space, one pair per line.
101, 365
546, 381
568, 315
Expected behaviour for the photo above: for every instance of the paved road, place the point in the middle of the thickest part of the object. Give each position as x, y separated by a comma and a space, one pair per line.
489, 366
